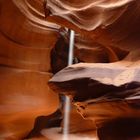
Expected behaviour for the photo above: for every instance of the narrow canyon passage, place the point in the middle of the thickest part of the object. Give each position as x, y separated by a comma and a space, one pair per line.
102, 80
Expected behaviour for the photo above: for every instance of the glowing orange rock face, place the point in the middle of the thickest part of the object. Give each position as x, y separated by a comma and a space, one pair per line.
25, 46
24, 96
106, 31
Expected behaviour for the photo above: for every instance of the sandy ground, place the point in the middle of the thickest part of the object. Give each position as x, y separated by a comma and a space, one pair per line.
54, 134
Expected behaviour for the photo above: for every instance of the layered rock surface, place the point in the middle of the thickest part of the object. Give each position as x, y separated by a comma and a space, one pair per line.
112, 29
88, 14
101, 92
26, 40
31, 48
110, 40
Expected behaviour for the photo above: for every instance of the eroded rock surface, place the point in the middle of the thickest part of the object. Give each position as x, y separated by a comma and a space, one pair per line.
26, 40
78, 124
105, 32
112, 27
101, 92
24, 96
88, 14
31, 48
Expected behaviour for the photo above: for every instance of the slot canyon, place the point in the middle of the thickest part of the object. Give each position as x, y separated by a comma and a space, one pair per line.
103, 83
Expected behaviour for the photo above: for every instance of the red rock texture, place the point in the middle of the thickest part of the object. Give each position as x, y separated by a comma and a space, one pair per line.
26, 40
34, 44
103, 93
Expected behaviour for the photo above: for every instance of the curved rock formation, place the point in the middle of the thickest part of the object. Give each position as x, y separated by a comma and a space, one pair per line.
102, 92
26, 41
24, 96
25, 37
34, 44
105, 32
88, 14
108, 23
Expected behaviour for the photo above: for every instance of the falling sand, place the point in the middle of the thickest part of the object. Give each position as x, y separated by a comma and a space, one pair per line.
55, 133
67, 99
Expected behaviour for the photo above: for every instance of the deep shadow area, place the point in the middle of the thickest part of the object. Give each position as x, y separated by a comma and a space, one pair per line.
42, 122
123, 129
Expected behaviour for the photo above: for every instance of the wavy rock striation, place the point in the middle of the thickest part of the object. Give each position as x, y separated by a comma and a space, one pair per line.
26, 40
